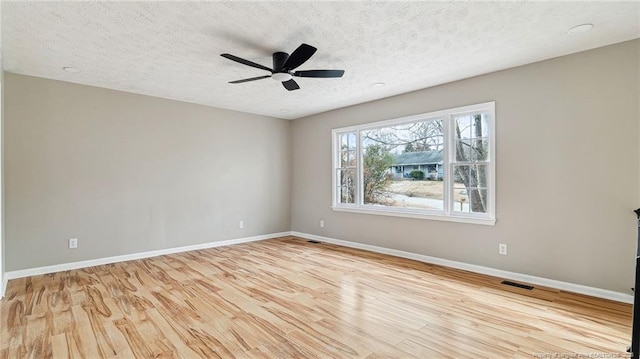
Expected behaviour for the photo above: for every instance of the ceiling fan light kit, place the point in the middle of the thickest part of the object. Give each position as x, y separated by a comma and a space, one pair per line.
284, 66
281, 76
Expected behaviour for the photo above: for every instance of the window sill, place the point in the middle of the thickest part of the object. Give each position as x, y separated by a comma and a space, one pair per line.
416, 214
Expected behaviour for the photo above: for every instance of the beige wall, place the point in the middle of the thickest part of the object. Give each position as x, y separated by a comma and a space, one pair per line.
2, 228
567, 171
126, 173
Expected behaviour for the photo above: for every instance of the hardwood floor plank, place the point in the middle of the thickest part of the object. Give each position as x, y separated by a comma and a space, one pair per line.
60, 348
286, 298
427, 350
82, 335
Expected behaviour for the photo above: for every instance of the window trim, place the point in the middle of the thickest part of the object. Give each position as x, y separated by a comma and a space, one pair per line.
447, 214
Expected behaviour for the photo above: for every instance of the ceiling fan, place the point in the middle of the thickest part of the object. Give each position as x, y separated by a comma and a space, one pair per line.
284, 66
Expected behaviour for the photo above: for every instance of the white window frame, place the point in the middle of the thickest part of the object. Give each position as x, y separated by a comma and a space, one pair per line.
447, 214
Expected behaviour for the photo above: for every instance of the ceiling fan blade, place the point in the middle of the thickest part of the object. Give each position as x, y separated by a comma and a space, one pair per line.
245, 62
299, 56
319, 73
250, 79
290, 85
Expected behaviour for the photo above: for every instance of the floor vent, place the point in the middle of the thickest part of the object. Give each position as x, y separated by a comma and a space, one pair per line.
514, 284
314, 242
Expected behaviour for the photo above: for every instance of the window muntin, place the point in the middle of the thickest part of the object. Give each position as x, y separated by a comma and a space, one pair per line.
437, 165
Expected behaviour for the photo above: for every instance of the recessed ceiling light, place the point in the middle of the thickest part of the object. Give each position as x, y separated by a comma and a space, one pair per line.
580, 29
378, 84
71, 69
284, 110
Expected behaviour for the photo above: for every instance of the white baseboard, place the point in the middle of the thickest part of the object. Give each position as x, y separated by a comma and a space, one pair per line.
128, 257
551, 283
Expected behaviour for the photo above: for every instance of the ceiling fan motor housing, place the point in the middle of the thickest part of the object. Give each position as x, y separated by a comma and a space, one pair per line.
279, 73
279, 59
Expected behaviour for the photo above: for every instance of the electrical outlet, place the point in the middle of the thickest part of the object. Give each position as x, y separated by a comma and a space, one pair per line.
502, 249
241, 224
73, 243
321, 223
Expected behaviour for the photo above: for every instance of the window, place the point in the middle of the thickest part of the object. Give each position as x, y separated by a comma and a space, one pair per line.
438, 165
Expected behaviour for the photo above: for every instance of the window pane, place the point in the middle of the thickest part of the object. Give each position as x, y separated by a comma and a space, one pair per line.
461, 174
344, 143
473, 177
475, 201
479, 149
346, 186
470, 200
472, 126
352, 140
470, 175
478, 198
463, 127
346, 194
472, 150
343, 159
347, 159
347, 177
478, 176
459, 188
463, 151
471, 134
351, 157
460, 200
480, 127
402, 165
348, 141
469, 189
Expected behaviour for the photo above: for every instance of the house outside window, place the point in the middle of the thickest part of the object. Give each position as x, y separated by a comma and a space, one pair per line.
438, 165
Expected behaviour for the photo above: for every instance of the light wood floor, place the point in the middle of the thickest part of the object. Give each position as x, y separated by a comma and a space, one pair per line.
286, 298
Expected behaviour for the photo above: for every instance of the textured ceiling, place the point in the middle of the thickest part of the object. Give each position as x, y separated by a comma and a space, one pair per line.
171, 49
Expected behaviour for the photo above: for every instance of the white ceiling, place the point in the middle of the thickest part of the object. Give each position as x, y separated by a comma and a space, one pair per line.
171, 49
